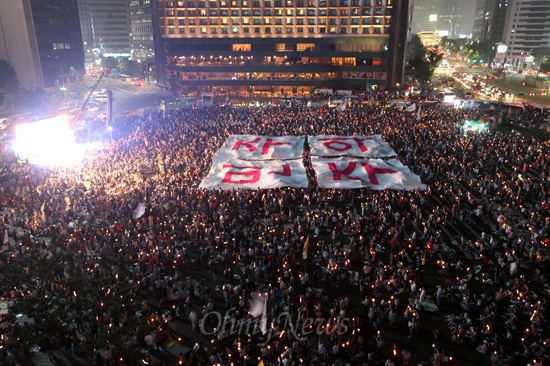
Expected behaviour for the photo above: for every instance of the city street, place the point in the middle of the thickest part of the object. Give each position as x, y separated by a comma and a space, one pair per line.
128, 98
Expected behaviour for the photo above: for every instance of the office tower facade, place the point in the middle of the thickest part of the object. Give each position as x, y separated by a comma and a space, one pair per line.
110, 25
441, 17
41, 39
86, 25
526, 29
280, 46
490, 18
141, 27
59, 40
18, 44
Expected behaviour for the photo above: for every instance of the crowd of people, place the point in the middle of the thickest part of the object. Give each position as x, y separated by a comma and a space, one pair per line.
391, 277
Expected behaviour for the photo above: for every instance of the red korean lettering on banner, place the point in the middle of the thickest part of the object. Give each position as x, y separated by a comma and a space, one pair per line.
286, 171
253, 144
373, 171
337, 174
252, 172
341, 144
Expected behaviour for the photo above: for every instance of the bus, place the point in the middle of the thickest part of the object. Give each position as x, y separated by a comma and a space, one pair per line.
124, 77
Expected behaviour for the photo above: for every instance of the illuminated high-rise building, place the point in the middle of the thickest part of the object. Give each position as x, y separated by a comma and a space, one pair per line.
526, 29
437, 16
141, 28
274, 47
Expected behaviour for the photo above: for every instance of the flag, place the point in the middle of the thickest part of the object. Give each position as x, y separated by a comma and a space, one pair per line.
261, 363
411, 108
139, 211
342, 106
304, 251
6, 237
257, 305
263, 320
418, 114
381, 112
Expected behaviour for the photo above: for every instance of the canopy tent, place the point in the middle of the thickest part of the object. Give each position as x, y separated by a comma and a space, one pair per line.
488, 106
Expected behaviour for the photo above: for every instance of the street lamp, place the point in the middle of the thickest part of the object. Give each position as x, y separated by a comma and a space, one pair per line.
110, 128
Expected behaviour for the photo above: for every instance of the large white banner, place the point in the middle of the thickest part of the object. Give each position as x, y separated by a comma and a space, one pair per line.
365, 146
375, 174
253, 147
259, 174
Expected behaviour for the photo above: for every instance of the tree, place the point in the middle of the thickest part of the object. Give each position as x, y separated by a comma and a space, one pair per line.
129, 67
422, 62
8, 77
109, 63
542, 56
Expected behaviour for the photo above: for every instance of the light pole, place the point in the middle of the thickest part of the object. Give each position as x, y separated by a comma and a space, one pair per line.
110, 128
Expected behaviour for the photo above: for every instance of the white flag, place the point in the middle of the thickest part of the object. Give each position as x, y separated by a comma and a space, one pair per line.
263, 320
139, 211
418, 114
256, 305
342, 106
6, 237
381, 112
411, 108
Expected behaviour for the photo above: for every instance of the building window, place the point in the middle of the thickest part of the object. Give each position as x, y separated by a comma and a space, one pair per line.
203, 22
225, 30
192, 30
343, 21
311, 21
181, 30
332, 21
246, 30
289, 30
203, 30
300, 30
355, 21
268, 29
354, 30
181, 21
257, 30
257, 21
311, 30
171, 30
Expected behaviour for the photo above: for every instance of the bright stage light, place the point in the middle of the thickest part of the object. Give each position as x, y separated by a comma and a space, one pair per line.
47, 142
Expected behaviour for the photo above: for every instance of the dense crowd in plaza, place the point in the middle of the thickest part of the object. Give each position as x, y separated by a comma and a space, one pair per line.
379, 265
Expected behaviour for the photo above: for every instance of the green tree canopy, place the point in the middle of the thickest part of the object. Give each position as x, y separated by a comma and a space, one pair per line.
8, 77
109, 63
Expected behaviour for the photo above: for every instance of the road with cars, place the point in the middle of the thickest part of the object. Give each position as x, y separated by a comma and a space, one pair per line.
127, 98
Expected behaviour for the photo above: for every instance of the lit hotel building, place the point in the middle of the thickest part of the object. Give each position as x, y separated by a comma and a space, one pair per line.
274, 47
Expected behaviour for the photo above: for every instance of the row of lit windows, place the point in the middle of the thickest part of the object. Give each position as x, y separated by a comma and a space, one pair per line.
269, 3
277, 30
61, 46
278, 21
278, 12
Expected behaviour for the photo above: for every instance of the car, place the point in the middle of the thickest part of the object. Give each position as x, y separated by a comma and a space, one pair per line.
93, 108
139, 82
